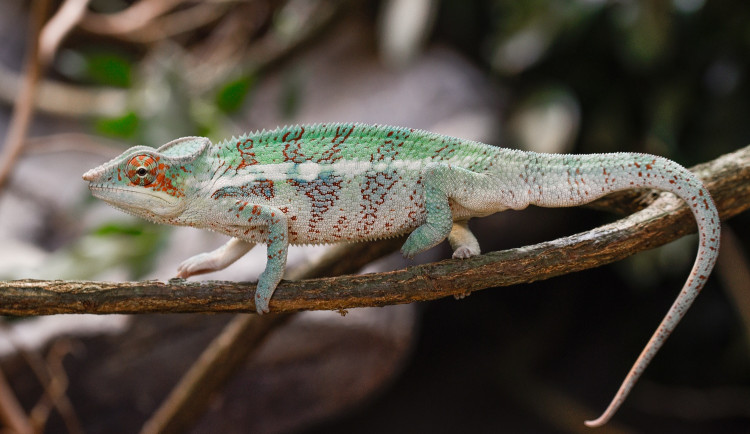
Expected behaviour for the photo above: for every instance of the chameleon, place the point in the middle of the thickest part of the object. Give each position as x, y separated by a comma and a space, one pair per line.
344, 182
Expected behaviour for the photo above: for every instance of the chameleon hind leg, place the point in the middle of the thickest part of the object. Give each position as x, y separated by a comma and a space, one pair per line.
443, 184
215, 260
462, 240
464, 245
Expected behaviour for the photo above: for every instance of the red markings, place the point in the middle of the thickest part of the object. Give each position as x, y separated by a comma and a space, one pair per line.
248, 157
439, 152
332, 154
374, 191
294, 154
322, 194
285, 138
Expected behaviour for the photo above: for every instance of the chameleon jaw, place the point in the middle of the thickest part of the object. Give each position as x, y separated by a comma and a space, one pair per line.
138, 201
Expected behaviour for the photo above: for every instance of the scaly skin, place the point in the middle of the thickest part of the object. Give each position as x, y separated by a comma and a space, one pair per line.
353, 182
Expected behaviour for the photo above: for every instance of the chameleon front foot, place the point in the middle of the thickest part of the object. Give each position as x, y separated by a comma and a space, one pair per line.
198, 264
423, 238
264, 291
262, 300
216, 260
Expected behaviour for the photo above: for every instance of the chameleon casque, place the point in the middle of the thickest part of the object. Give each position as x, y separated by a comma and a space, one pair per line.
327, 183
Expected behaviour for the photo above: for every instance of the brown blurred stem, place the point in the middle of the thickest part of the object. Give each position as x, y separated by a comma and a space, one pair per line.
43, 42
224, 356
24, 108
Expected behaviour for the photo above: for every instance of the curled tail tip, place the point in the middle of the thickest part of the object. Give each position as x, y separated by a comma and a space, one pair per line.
596, 423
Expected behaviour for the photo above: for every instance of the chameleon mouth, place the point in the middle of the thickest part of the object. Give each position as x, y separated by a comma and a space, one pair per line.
105, 193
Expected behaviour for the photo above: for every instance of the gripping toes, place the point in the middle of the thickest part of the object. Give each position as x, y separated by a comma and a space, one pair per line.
197, 264
464, 252
423, 238
463, 242
216, 260
263, 298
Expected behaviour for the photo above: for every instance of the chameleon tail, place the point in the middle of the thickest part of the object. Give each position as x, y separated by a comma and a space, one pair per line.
666, 175
566, 180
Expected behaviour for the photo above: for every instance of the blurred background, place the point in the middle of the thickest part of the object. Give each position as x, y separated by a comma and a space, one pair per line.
668, 77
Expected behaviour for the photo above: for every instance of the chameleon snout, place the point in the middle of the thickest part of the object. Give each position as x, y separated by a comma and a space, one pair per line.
90, 175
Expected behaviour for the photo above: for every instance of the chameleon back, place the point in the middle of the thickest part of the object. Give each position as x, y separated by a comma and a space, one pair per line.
342, 182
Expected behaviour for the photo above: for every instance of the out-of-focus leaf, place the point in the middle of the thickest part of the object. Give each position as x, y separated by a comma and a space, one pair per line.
291, 95
230, 97
123, 127
116, 250
109, 69
115, 229
645, 30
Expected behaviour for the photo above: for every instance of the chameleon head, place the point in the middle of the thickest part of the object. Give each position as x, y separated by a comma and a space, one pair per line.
147, 182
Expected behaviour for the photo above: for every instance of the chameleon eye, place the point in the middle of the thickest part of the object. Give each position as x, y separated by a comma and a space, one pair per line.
141, 170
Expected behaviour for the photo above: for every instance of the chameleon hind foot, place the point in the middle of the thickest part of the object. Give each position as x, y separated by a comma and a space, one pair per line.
463, 242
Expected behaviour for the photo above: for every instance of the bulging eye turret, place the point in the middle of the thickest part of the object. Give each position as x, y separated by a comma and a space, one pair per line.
141, 170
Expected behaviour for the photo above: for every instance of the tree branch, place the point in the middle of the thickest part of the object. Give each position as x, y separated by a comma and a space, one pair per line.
664, 220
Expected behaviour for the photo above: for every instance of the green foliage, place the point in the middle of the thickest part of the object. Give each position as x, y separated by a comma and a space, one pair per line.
123, 127
291, 95
232, 95
117, 229
109, 69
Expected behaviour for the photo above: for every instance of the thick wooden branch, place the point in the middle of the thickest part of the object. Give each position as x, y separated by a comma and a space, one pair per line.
664, 220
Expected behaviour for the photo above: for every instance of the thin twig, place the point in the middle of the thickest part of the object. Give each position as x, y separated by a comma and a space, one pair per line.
266, 52
728, 179
128, 20
69, 14
24, 108
210, 372
51, 376
42, 46
64, 99
154, 27
55, 382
